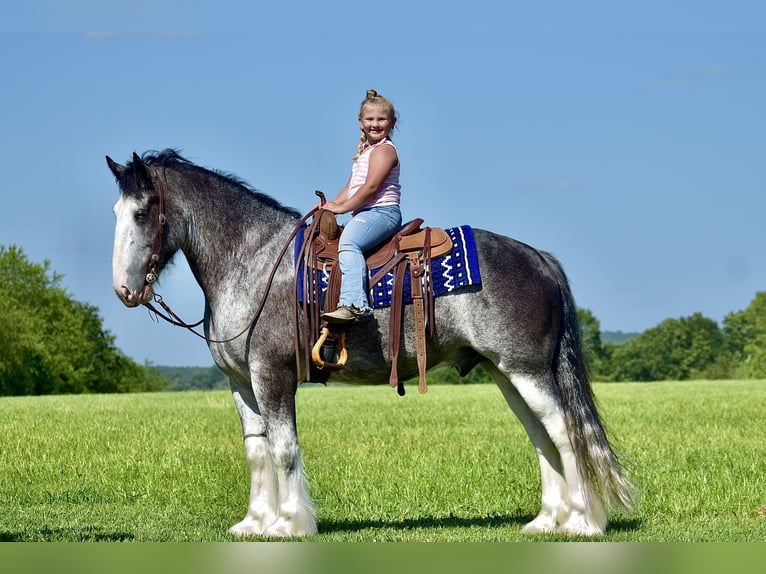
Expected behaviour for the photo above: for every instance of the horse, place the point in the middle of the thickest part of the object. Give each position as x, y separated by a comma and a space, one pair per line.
520, 325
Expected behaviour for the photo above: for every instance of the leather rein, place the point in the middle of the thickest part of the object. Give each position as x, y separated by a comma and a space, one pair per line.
152, 273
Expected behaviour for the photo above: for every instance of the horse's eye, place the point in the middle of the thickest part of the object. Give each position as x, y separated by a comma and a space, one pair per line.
141, 214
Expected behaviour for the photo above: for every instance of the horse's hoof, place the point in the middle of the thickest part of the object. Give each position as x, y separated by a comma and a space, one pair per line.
540, 525
248, 527
578, 525
282, 528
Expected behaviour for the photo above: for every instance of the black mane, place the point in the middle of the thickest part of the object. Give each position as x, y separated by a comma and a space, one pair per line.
171, 158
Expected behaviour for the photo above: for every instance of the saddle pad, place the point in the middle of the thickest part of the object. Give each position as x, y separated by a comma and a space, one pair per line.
458, 269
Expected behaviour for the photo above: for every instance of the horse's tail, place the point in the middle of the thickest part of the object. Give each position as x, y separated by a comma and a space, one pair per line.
598, 464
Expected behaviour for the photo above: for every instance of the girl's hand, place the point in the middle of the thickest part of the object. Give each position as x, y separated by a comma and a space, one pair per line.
333, 207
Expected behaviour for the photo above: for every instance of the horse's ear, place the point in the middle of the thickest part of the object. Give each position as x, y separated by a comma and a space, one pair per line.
117, 169
141, 169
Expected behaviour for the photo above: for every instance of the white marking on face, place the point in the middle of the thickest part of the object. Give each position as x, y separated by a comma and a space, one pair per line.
130, 254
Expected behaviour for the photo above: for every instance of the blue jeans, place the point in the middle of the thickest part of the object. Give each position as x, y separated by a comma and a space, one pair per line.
365, 230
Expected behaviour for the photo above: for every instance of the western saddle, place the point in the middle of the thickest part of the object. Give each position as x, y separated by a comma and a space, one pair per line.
411, 248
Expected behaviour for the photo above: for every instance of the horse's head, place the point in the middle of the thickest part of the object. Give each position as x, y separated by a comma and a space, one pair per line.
139, 232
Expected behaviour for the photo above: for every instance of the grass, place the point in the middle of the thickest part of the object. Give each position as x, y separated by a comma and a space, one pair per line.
451, 465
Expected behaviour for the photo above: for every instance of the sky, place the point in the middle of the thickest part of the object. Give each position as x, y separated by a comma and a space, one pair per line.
625, 138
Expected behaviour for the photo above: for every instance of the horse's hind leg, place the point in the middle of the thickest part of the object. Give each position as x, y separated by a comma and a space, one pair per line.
262, 504
564, 505
553, 483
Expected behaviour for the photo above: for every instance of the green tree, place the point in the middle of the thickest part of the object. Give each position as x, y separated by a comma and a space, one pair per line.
676, 349
745, 338
50, 343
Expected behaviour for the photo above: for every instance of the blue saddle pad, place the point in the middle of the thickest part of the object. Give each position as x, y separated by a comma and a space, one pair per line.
458, 269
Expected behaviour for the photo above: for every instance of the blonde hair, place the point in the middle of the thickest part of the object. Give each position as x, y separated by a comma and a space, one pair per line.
374, 99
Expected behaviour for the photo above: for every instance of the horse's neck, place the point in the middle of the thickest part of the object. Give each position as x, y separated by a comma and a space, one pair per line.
230, 247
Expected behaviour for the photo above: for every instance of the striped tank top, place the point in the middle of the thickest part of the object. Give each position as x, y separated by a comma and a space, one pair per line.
390, 190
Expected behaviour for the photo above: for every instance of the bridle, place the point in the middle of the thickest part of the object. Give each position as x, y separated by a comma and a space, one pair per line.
152, 274
162, 219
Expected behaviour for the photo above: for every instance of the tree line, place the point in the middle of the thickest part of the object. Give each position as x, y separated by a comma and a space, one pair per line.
687, 348
53, 344
693, 347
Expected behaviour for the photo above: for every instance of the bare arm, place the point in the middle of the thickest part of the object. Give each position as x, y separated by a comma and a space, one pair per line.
382, 161
341, 197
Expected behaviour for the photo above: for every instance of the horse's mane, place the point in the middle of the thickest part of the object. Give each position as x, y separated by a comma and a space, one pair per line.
172, 158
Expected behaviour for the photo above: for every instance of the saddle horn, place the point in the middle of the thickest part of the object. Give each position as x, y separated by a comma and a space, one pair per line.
328, 224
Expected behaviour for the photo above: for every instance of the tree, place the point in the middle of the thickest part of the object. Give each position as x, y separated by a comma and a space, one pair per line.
676, 349
50, 343
745, 337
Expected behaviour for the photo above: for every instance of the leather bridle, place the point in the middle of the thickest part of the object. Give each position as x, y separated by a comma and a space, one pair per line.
151, 275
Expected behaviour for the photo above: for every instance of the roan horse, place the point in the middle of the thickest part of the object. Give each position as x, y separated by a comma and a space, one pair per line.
520, 325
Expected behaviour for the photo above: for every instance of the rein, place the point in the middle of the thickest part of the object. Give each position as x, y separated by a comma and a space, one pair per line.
171, 316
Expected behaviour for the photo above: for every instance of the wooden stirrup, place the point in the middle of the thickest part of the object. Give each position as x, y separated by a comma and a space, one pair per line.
316, 354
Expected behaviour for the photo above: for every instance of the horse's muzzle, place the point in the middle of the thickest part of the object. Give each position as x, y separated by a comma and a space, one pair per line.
134, 298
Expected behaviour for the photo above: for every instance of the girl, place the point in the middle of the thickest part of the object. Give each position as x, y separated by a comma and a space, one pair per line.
372, 196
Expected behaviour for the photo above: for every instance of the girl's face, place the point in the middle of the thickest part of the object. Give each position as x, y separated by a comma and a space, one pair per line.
375, 122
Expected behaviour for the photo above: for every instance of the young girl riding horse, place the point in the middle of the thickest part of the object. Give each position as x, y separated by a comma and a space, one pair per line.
372, 196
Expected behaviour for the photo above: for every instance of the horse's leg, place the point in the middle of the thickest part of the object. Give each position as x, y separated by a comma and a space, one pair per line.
275, 392
565, 507
553, 482
262, 504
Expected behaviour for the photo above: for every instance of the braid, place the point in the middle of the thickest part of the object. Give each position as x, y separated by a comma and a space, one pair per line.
360, 146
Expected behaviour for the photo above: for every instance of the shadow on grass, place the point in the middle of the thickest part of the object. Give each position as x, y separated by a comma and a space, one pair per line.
329, 526
624, 524
81, 534
619, 524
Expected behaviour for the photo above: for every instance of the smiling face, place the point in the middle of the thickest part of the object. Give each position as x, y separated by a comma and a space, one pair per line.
376, 121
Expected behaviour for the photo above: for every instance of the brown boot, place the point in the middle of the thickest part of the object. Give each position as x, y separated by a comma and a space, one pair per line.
345, 314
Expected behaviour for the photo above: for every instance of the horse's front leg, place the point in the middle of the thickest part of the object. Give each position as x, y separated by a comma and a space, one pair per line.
262, 505
275, 393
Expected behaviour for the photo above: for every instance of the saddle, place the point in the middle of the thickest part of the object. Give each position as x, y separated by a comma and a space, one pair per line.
409, 250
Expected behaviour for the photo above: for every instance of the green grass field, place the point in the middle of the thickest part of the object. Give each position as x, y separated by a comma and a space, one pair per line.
451, 465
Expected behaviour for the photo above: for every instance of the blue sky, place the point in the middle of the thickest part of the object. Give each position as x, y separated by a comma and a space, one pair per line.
625, 138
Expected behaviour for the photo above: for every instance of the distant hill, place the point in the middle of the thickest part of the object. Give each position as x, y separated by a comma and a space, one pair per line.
617, 336
194, 378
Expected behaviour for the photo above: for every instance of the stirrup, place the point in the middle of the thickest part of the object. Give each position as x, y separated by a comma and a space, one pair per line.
316, 351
